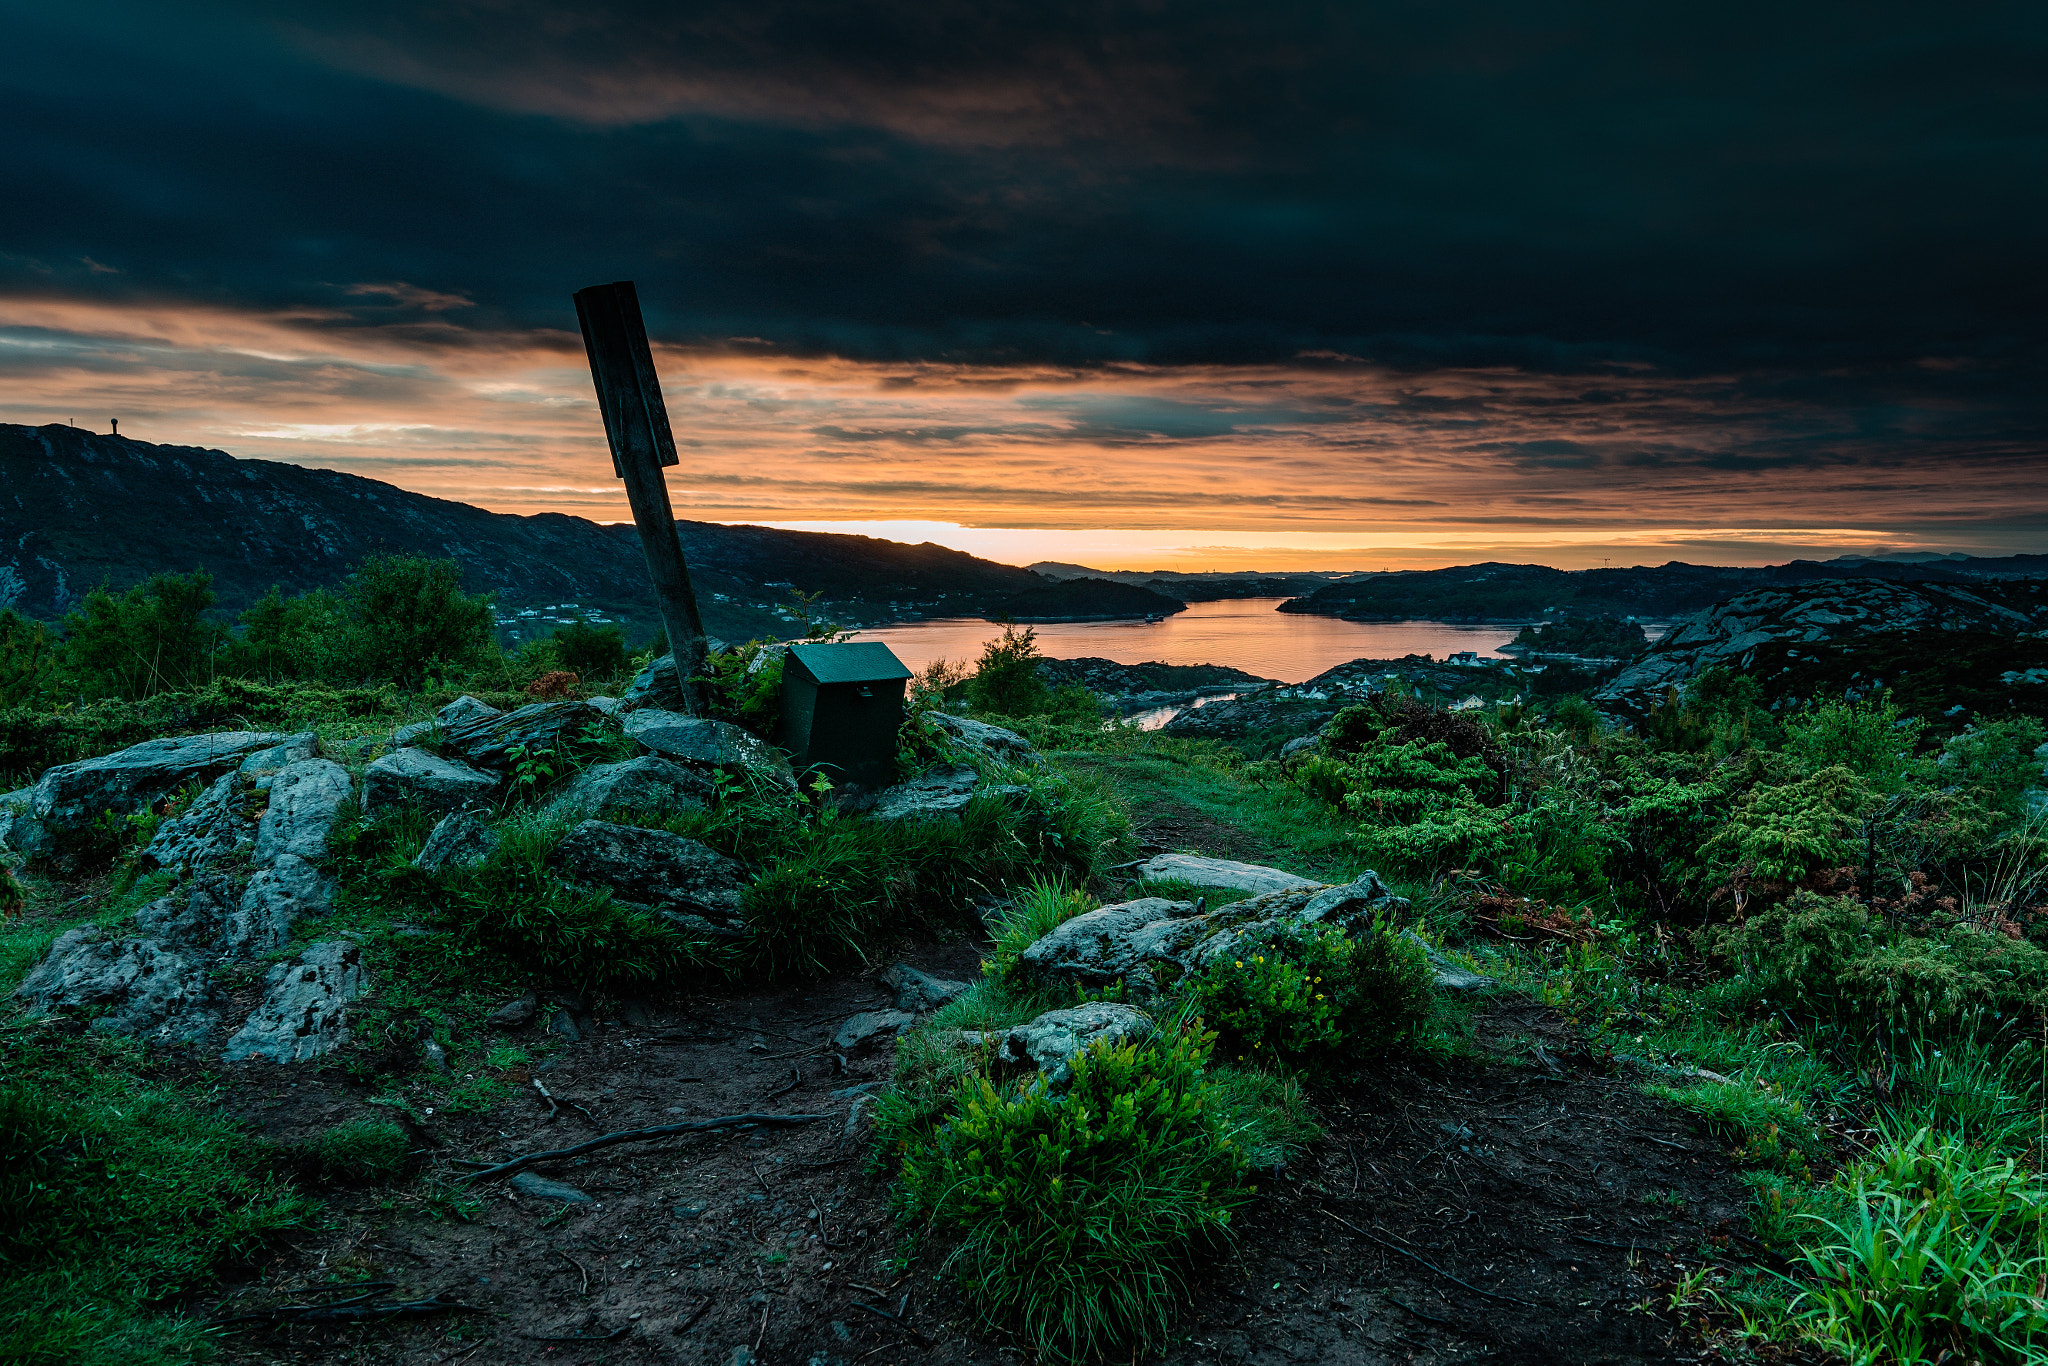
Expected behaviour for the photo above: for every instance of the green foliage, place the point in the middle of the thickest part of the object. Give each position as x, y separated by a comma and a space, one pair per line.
1007, 681
116, 1193
1041, 907
745, 686
27, 658
1870, 739
1078, 1214
153, 638
1996, 760
1720, 712
591, 651
1317, 996
1767, 1128
409, 616
13, 899
362, 1152
308, 636
1789, 833
1266, 1113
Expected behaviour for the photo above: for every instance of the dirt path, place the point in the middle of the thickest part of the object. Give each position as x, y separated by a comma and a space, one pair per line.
1458, 1213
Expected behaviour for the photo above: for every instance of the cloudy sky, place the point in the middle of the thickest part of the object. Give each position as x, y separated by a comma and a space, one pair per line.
1286, 284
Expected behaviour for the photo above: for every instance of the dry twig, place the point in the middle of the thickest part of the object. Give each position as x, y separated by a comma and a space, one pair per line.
637, 1135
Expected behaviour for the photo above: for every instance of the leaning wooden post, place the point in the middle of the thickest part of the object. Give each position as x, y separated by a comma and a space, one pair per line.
636, 424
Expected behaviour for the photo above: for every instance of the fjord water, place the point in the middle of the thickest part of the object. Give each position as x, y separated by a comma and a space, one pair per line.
1246, 633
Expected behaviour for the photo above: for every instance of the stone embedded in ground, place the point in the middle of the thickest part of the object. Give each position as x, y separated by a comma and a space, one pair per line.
1446, 975
216, 824
1222, 872
527, 1183
305, 797
304, 1012
979, 737
458, 840
274, 900
464, 708
919, 991
413, 777
657, 686
563, 1026
709, 744
1150, 943
406, 736
1050, 1042
648, 783
653, 868
496, 741
193, 916
139, 987
939, 795
70, 796
515, 1013
869, 1025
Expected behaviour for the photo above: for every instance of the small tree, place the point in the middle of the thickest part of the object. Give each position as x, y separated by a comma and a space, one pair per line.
308, 636
408, 615
1007, 681
591, 651
27, 655
153, 638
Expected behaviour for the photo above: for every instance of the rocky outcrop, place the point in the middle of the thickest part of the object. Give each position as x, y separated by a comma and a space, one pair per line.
1766, 632
688, 882
918, 991
705, 744
458, 840
1221, 872
496, 739
141, 988
980, 739
413, 777
648, 783
305, 1006
1051, 1041
305, 797
940, 795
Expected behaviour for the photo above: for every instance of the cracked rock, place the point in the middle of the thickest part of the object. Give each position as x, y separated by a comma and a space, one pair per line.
305, 1007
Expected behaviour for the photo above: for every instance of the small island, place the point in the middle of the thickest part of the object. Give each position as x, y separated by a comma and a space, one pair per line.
1085, 600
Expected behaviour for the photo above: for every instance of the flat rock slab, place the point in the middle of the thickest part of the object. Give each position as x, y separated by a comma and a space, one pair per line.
708, 744
458, 840
490, 740
71, 795
654, 868
413, 777
979, 737
939, 795
1222, 872
526, 1183
305, 1006
305, 797
648, 783
920, 991
862, 1029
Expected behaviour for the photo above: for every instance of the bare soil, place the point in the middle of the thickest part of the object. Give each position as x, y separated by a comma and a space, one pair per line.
1521, 1210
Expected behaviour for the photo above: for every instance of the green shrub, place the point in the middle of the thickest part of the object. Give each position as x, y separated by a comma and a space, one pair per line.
1790, 832
591, 651
1007, 680
1996, 759
1317, 995
153, 638
27, 658
1870, 739
363, 1152
1077, 1214
408, 616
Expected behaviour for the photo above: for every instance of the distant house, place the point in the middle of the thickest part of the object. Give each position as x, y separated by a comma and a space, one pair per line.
1464, 658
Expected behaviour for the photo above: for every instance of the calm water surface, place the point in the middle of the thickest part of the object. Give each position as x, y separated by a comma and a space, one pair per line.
1245, 634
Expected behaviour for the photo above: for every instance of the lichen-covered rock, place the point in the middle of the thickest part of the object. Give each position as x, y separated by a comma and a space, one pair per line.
647, 783
139, 987
1222, 872
709, 744
654, 868
305, 797
192, 918
991, 742
920, 991
493, 741
413, 777
464, 708
1150, 943
276, 897
657, 686
458, 840
72, 795
1050, 1042
265, 764
218, 823
305, 1006
939, 795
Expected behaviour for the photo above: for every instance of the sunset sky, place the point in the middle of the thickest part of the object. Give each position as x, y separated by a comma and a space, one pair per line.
1151, 285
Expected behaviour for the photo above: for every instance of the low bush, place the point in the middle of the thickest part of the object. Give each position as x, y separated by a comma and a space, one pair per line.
1317, 997
363, 1152
1077, 1214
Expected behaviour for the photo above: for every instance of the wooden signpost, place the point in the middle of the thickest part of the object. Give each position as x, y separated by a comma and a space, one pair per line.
636, 424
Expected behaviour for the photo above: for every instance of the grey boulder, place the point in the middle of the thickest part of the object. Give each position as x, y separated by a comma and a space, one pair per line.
920, 991
305, 797
647, 783
139, 987
217, 824
1222, 872
458, 840
413, 777
656, 869
515, 1013
304, 1013
981, 738
464, 708
265, 764
864, 1028
709, 744
1050, 1042
940, 795
528, 1183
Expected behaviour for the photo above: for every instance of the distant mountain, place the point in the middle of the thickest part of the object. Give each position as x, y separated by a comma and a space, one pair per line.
1086, 600
1946, 651
1523, 592
77, 508
1209, 586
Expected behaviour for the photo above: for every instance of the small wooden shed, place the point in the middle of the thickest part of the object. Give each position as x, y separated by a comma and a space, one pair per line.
841, 708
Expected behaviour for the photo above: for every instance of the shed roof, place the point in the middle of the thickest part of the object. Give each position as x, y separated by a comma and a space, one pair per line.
860, 661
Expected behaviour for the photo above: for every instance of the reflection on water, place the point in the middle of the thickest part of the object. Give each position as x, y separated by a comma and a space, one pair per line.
1156, 717
1245, 634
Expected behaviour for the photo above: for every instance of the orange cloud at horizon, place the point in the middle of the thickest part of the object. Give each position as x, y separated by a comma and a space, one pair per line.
1320, 463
